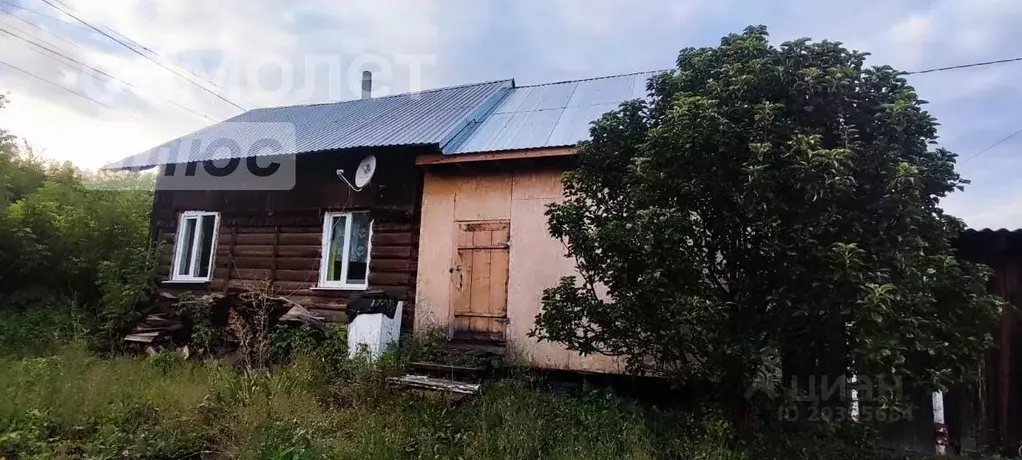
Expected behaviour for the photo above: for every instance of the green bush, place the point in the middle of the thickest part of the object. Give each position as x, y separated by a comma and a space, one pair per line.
67, 234
289, 342
76, 405
36, 327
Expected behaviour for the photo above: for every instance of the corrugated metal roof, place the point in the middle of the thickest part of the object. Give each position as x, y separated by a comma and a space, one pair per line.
428, 117
550, 115
992, 231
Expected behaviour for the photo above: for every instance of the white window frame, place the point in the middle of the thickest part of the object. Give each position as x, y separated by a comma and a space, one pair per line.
179, 245
324, 252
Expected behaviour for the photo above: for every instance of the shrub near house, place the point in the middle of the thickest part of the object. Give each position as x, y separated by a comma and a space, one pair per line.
771, 211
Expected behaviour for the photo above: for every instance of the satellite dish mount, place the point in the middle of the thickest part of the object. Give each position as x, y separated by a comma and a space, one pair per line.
364, 173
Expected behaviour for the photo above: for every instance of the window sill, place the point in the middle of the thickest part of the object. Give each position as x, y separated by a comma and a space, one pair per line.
340, 288
185, 282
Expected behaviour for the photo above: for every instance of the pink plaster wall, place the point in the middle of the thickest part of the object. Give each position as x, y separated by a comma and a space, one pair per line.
537, 260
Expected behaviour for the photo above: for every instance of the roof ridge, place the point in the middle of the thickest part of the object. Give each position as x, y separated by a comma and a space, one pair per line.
410, 93
594, 78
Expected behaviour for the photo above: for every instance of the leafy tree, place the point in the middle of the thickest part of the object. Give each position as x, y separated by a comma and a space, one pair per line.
768, 210
72, 234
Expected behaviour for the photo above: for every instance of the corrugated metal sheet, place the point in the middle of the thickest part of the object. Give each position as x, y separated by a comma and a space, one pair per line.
551, 115
992, 231
423, 118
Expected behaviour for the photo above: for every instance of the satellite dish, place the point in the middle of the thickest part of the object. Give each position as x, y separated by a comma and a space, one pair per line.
365, 171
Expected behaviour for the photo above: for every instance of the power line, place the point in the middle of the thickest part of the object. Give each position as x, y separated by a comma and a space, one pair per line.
122, 43
37, 26
125, 38
965, 66
49, 82
995, 144
97, 70
39, 13
152, 53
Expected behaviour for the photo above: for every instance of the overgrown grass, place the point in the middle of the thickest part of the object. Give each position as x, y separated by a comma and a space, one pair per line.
34, 329
64, 402
77, 405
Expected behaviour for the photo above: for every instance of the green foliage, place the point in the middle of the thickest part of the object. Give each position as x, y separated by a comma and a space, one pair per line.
772, 210
73, 404
206, 334
164, 407
80, 237
36, 328
291, 342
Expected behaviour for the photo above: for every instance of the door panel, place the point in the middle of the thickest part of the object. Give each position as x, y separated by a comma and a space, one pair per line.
479, 278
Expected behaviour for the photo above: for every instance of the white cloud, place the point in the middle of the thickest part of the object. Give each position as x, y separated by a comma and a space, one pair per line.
533, 40
218, 40
909, 39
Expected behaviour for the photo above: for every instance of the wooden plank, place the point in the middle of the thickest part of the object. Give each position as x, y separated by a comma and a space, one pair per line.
498, 288
305, 276
429, 383
484, 226
499, 236
445, 367
279, 228
461, 282
390, 279
472, 314
263, 275
285, 239
395, 227
267, 251
276, 255
437, 159
395, 239
245, 275
393, 265
288, 288
462, 323
464, 236
230, 254
500, 246
480, 279
391, 252
274, 264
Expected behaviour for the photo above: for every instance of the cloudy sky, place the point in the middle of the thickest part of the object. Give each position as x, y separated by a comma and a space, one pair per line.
260, 53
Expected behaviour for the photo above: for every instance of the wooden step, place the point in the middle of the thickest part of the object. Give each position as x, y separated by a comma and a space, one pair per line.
477, 348
446, 368
422, 382
488, 337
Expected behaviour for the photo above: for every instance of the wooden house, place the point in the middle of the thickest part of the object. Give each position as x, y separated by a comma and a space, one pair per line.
485, 254
453, 222
317, 240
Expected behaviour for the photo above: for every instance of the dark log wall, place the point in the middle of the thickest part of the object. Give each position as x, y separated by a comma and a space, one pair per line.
274, 237
991, 413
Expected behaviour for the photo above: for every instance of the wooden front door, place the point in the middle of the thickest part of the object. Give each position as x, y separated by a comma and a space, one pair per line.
479, 279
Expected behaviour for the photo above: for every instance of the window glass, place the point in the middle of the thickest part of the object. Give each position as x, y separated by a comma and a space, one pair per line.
335, 254
195, 244
187, 241
346, 247
206, 247
358, 249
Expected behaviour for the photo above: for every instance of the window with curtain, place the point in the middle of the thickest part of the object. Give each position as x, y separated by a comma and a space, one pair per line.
346, 245
194, 245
